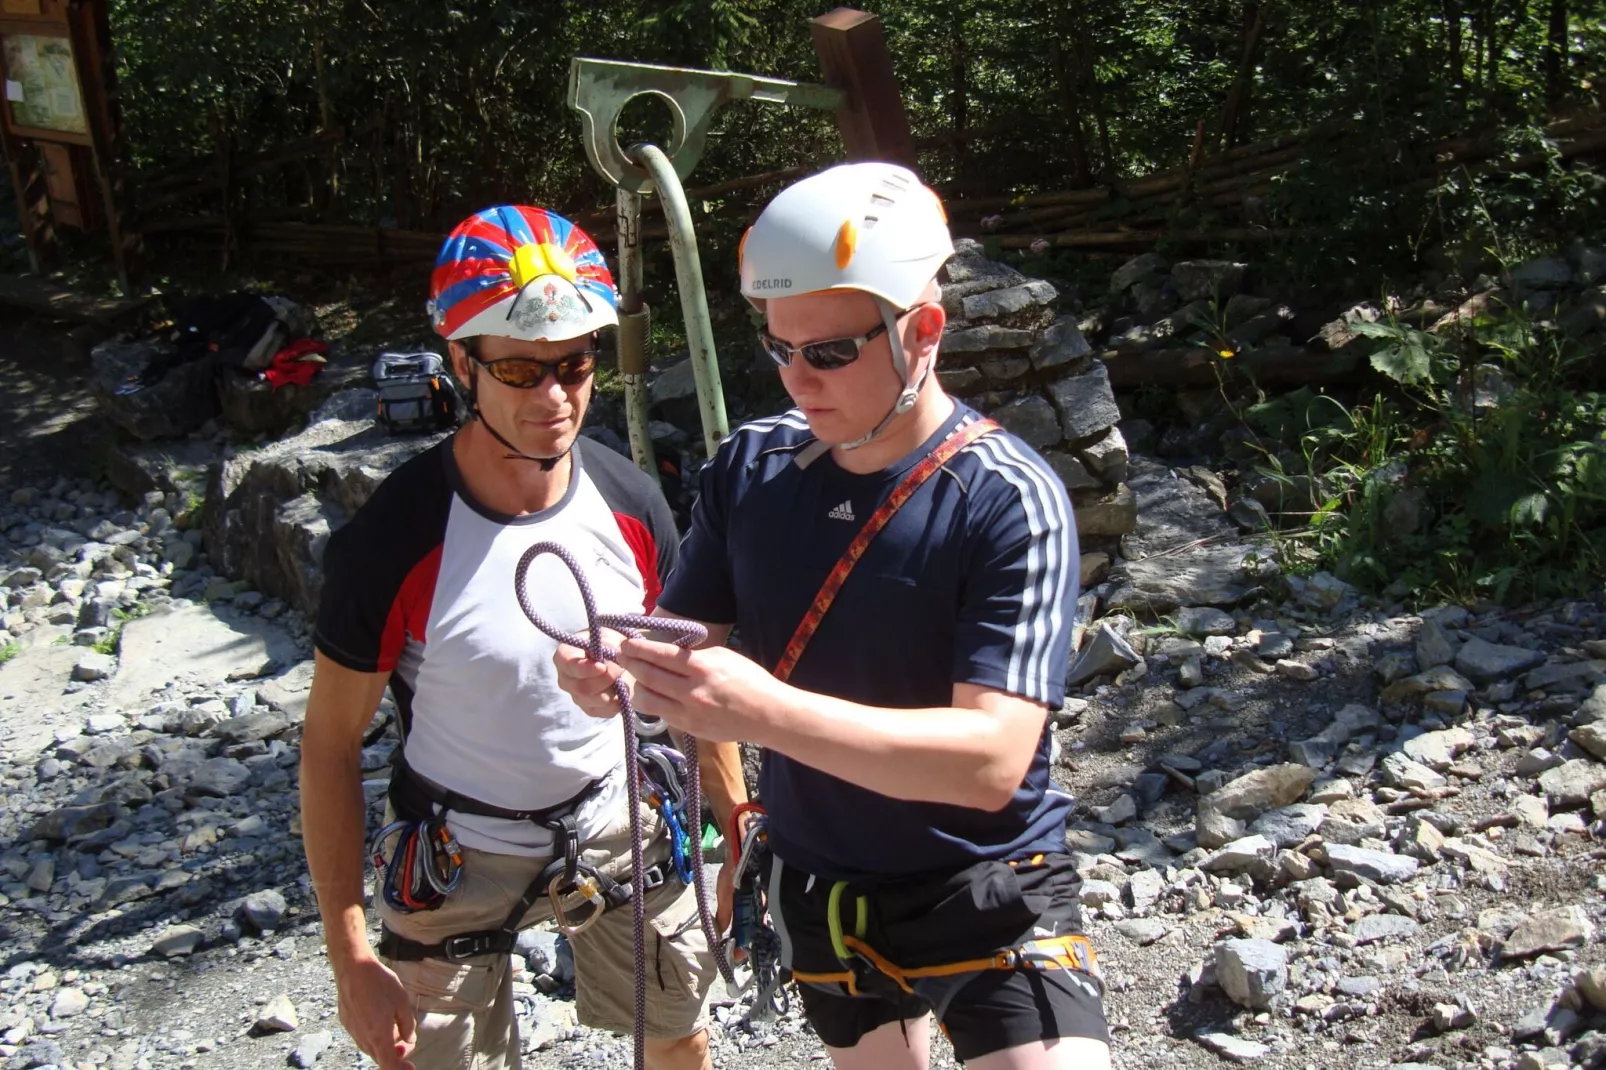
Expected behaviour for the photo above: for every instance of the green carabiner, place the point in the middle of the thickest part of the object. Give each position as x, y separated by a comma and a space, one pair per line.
833, 920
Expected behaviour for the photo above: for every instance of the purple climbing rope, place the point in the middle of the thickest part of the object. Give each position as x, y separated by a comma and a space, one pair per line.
684, 633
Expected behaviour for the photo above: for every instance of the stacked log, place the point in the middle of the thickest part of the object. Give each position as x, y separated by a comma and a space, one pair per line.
1140, 212
1125, 214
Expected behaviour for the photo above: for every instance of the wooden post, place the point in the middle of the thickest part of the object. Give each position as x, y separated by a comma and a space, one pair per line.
28, 179
854, 57
92, 49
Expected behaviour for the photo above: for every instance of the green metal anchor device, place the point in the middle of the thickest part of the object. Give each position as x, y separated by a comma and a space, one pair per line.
599, 90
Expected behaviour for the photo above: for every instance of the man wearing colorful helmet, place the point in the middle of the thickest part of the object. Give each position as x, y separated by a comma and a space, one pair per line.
502, 778
903, 575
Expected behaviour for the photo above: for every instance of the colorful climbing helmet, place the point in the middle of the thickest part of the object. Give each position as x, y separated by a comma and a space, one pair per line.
520, 272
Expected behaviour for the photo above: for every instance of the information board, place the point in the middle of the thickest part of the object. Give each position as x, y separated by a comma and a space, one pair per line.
41, 84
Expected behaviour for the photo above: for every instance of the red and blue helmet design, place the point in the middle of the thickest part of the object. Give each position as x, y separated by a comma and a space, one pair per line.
520, 272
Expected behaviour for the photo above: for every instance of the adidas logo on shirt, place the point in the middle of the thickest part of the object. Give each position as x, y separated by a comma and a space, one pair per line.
842, 512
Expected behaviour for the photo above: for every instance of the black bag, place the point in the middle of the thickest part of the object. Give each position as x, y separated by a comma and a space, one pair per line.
416, 393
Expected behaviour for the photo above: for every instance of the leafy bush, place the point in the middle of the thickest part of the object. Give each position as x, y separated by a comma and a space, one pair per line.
1481, 474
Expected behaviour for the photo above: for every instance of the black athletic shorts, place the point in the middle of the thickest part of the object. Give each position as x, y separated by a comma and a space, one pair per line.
936, 920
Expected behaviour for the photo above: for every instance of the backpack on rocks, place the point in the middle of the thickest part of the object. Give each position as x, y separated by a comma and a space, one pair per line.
416, 393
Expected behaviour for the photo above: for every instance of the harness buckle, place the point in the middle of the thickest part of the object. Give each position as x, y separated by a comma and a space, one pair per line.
466, 946
654, 877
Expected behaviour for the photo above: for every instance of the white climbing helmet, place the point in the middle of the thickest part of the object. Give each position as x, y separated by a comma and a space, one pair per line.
857, 226
871, 227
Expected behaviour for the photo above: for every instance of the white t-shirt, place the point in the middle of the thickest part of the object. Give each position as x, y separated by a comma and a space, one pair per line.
420, 584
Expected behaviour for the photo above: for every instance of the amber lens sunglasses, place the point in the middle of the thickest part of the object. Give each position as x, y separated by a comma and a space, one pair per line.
527, 373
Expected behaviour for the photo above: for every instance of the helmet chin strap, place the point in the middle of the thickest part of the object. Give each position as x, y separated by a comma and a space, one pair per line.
514, 453
900, 361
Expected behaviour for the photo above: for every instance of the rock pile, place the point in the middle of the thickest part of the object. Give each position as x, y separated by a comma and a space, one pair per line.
1372, 867
1007, 353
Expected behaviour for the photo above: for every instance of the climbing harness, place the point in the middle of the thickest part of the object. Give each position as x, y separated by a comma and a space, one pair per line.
426, 865
867, 971
749, 836
686, 634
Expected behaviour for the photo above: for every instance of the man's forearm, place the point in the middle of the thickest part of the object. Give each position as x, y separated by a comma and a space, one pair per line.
333, 830
954, 754
724, 784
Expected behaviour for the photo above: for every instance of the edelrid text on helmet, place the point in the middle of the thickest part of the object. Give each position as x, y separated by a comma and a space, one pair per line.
859, 226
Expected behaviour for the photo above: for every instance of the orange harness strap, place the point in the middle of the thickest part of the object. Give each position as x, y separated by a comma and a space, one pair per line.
1058, 953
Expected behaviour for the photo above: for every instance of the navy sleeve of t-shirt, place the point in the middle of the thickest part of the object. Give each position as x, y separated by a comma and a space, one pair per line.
701, 587
1018, 598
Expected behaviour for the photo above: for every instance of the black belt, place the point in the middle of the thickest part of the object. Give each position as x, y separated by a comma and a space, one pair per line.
411, 796
502, 941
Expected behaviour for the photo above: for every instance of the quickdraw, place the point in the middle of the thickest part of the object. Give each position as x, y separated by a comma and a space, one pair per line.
664, 770
749, 833
425, 864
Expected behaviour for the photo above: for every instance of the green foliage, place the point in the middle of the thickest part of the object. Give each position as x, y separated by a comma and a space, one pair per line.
1406, 355
109, 643
113, 639
9, 651
1483, 475
450, 106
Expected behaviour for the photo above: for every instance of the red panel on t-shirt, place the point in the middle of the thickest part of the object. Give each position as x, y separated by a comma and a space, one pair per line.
641, 543
409, 611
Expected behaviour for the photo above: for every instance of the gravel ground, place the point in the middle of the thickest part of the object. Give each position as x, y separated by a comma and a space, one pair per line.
1314, 832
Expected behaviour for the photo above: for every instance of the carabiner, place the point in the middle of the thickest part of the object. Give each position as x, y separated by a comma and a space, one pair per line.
585, 889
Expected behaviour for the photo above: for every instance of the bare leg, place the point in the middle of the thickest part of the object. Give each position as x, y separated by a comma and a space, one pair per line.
902, 1045
1067, 1053
687, 1053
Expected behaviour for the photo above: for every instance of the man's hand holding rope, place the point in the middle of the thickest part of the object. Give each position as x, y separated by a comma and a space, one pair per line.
713, 693
591, 685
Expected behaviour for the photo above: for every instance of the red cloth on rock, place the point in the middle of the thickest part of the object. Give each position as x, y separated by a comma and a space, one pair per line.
296, 363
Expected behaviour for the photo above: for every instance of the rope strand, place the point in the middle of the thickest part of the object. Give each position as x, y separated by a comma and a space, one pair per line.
685, 633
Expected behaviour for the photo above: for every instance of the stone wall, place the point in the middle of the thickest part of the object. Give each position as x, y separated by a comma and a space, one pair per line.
269, 512
1007, 354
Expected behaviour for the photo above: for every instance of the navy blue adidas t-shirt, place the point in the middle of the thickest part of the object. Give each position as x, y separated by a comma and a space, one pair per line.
973, 581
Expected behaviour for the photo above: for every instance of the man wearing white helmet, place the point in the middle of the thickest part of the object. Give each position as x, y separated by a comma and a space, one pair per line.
507, 800
902, 574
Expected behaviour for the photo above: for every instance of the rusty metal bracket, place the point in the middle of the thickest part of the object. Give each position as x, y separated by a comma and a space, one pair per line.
599, 89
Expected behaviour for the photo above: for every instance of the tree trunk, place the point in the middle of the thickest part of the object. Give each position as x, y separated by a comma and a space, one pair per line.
1452, 32
1478, 25
323, 194
959, 96
1238, 99
1081, 171
1557, 83
1095, 99
1492, 42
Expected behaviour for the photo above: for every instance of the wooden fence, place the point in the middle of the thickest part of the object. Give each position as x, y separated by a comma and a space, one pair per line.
1126, 214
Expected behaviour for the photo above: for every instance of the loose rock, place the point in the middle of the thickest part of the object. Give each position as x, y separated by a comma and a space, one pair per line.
279, 1016
1251, 972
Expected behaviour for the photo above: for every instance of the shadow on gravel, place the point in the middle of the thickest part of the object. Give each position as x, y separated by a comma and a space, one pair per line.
47, 418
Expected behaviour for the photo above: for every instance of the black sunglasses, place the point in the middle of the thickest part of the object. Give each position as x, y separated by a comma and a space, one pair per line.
827, 355
527, 373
